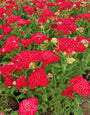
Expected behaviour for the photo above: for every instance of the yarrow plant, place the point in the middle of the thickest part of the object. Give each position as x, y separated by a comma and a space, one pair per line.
44, 52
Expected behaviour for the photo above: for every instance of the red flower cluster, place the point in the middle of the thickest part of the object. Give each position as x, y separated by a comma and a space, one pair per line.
42, 20
58, 1
68, 92
38, 78
2, 12
12, 6
30, 10
9, 81
82, 16
48, 57
40, 5
1, 113
5, 25
6, 70
65, 5
80, 85
25, 57
38, 38
47, 13
69, 45
23, 22
80, 38
50, 4
12, 19
28, 106
66, 25
77, 4
26, 42
1, 36
11, 43
21, 82
7, 30
38, 1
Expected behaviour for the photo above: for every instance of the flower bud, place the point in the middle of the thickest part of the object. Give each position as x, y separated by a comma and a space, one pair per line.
85, 43
9, 86
59, 23
32, 65
74, 6
14, 83
70, 60
20, 29
64, 53
50, 75
46, 41
54, 40
3, 49
25, 91
80, 29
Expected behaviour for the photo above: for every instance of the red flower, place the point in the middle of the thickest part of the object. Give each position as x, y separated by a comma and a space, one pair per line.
50, 4
78, 4
21, 82
5, 25
68, 92
66, 25
28, 106
40, 5
10, 1
13, 19
23, 22
2, 11
81, 47
67, 45
41, 20
6, 70
80, 85
30, 10
1, 36
25, 57
85, 16
80, 38
9, 81
26, 42
11, 43
12, 6
7, 30
75, 80
8, 47
88, 40
25, 90
12, 38
47, 13
38, 78
23, 33
48, 57
65, 5
38, 38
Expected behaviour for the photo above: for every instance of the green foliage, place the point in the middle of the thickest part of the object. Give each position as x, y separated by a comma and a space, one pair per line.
49, 96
